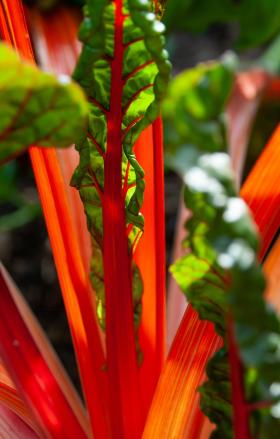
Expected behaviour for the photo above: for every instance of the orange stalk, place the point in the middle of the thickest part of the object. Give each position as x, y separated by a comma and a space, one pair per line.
150, 257
261, 191
145, 258
90, 358
174, 411
271, 268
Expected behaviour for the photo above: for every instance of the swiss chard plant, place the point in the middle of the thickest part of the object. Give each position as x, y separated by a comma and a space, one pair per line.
111, 267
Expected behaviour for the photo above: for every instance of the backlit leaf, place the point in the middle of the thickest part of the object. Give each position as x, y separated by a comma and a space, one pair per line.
36, 107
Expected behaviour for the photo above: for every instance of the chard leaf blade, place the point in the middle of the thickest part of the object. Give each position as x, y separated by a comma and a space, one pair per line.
36, 107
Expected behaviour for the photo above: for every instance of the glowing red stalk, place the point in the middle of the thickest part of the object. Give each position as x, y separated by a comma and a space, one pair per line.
145, 258
261, 191
174, 411
160, 242
150, 258
121, 352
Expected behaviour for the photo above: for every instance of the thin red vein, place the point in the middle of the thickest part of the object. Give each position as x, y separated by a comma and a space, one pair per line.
225, 280
137, 69
99, 105
250, 407
96, 184
132, 42
135, 95
98, 147
20, 109
107, 58
125, 183
129, 228
136, 239
126, 130
129, 186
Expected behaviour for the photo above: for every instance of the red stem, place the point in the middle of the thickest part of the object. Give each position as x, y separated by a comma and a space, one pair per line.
159, 243
121, 352
258, 405
32, 374
240, 412
125, 183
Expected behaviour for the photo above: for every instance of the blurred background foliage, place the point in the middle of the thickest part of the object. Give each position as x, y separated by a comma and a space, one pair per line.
257, 20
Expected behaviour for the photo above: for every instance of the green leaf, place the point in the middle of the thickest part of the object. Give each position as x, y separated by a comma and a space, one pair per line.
193, 112
135, 65
36, 107
216, 395
220, 274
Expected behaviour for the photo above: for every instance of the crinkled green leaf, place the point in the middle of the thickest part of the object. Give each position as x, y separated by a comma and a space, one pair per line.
143, 79
220, 275
36, 108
